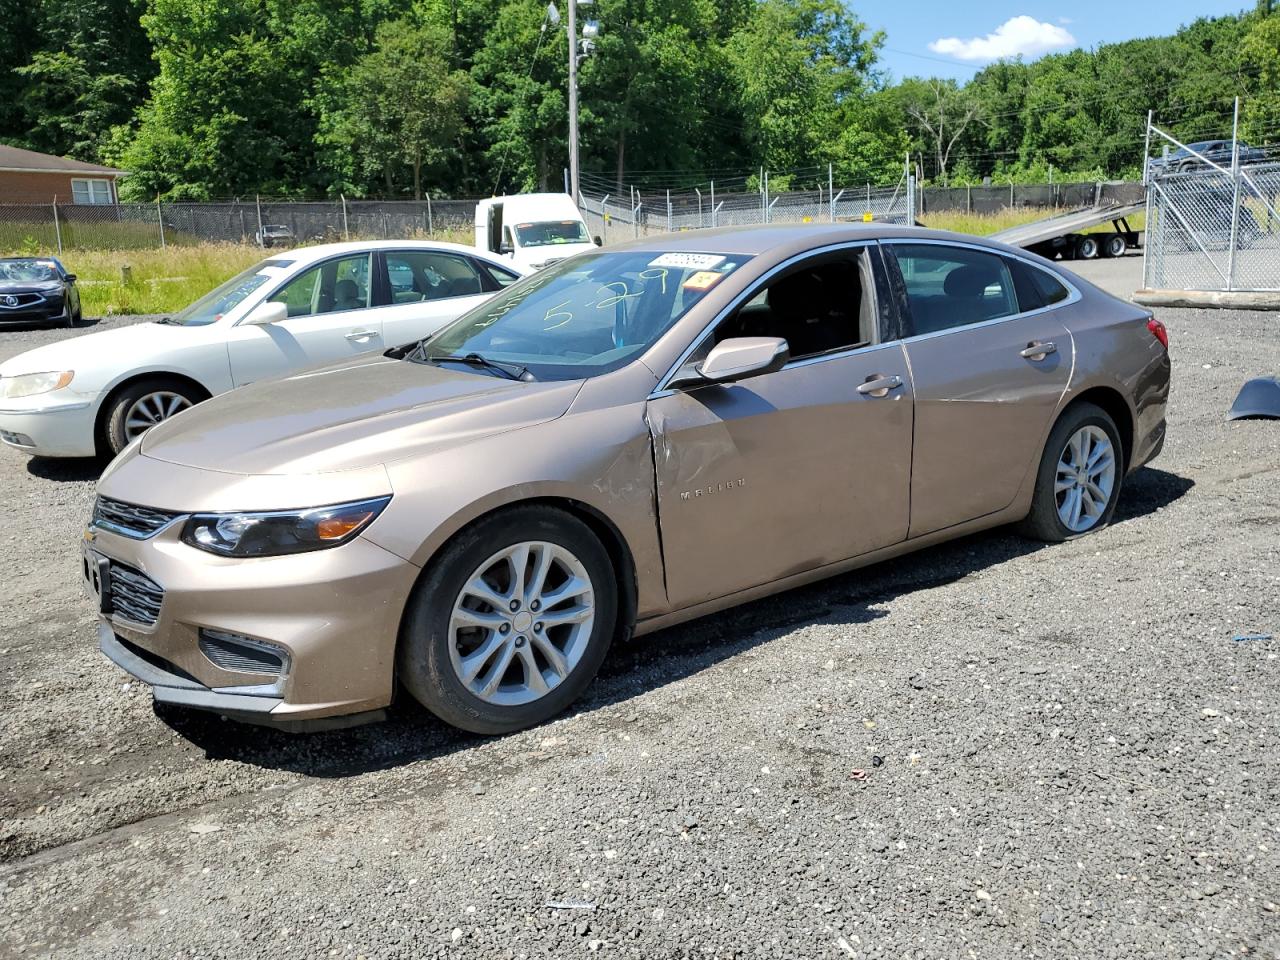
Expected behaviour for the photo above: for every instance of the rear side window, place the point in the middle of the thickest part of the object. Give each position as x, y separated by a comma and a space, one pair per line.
417, 275
950, 287
499, 276
1035, 288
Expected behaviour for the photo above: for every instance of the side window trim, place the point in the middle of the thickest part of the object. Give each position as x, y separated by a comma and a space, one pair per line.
468, 261
661, 390
910, 336
368, 255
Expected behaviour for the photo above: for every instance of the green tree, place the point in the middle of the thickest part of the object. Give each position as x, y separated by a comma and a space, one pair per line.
400, 105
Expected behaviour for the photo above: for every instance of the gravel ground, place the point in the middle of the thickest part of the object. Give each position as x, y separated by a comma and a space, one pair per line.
1068, 755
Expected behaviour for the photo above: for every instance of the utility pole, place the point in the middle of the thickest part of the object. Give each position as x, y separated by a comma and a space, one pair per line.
573, 100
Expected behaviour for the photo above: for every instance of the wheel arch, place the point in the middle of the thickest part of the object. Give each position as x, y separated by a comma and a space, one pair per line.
605, 530
108, 398
1112, 401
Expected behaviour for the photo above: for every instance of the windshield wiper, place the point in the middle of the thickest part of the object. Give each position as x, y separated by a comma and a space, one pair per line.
168, 320
512, 371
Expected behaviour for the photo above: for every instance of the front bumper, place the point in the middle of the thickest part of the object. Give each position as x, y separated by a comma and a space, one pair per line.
334, 614
45, 426
49, 310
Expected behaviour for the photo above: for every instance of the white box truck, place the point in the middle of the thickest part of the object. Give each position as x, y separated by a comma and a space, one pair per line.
533, 229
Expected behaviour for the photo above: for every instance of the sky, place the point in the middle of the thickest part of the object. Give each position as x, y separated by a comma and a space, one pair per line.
955, 38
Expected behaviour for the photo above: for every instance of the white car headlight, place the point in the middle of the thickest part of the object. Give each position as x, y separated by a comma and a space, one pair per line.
30, 384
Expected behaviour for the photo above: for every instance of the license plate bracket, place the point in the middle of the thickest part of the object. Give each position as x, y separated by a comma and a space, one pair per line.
98, 571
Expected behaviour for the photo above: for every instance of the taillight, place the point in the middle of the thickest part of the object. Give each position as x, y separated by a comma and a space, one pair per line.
1159, 332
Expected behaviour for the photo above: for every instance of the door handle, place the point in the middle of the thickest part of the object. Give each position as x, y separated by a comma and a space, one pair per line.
362, 334
1038, 351
879, 386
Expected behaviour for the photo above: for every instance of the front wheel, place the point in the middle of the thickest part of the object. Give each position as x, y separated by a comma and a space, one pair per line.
511, 622
1079, 478
141, 406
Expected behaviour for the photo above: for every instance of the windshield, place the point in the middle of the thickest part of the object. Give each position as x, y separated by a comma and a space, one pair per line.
27, 271
585, 316
213, 306
557, 231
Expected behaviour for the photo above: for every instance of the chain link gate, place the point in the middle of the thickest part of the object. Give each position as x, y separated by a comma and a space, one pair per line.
1212, 226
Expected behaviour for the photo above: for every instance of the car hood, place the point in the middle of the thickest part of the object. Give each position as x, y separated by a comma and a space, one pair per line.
539, 256
130, 346
352, 414
30, 286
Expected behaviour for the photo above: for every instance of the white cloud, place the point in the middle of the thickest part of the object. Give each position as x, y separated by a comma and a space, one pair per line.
1018, 36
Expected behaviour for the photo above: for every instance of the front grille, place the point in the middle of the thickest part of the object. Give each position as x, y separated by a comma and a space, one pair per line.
240, 654
134, 595
16, 301
129, 519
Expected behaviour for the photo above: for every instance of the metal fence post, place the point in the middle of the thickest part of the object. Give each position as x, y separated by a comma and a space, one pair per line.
346, 232
1235, 197
713, 203
57, 227
431, 226
160, 220
699, 193
257, 202
668, 208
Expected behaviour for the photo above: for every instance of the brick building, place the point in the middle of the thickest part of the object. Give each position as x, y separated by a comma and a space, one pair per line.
30, 177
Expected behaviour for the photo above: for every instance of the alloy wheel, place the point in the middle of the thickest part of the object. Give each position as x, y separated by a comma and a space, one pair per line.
1085, 479
152, 408
521, 623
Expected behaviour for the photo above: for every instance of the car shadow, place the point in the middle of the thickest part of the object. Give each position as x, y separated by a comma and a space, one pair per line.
66, 469
647, 663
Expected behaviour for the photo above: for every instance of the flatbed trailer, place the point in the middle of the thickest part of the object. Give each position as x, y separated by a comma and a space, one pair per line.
1062, 235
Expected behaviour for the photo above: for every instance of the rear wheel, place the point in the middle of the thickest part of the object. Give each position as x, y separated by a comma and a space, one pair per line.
1114, 246
511, 623
142, 405
1087, 248
1079, 478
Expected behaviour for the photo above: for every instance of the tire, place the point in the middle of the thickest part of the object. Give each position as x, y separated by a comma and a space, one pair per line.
1114, 246
1087, 248
164, 395
1046, 520
434, 645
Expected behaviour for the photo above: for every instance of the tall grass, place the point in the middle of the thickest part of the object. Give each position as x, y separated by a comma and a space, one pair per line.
159, 281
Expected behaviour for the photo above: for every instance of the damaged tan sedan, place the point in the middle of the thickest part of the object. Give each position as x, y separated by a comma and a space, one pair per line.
629, 439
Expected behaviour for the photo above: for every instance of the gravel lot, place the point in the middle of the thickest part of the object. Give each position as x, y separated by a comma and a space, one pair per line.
1077, 759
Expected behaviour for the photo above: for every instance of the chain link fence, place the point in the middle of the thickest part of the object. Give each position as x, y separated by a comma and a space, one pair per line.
53, 228
640, 213
1213, 228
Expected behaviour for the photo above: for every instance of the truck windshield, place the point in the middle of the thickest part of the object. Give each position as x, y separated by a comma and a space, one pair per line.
585, 316
555, 231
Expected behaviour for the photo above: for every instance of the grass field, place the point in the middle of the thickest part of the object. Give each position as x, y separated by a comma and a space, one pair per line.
161, 281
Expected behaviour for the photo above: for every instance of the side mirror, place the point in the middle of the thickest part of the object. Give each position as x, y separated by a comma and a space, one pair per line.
506, 249
70, 278
266, 313
598, 241
737, 359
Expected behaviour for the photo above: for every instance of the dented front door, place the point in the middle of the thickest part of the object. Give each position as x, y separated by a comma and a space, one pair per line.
781, 473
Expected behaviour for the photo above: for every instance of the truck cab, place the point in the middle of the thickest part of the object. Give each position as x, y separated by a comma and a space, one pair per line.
533, 229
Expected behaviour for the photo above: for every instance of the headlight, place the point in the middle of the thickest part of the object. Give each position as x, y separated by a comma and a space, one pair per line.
30, 384
280, 532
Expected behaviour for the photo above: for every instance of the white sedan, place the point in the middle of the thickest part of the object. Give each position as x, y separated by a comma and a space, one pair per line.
93, 394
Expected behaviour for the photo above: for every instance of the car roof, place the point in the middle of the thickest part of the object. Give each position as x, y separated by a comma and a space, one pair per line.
323, 251
784, 240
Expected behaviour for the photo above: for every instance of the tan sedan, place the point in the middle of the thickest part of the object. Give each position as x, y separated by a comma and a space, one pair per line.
629, 439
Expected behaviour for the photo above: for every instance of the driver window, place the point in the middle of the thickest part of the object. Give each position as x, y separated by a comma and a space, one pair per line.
821, 306
327, 288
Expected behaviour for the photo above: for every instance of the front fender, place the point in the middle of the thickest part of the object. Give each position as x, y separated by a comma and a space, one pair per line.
601, 458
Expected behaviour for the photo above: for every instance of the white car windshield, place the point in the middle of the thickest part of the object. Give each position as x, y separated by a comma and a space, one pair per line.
553, 232
586, 316
216, 304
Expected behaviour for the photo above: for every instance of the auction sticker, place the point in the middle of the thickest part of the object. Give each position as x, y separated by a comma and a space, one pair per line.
703, 280
688, 261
